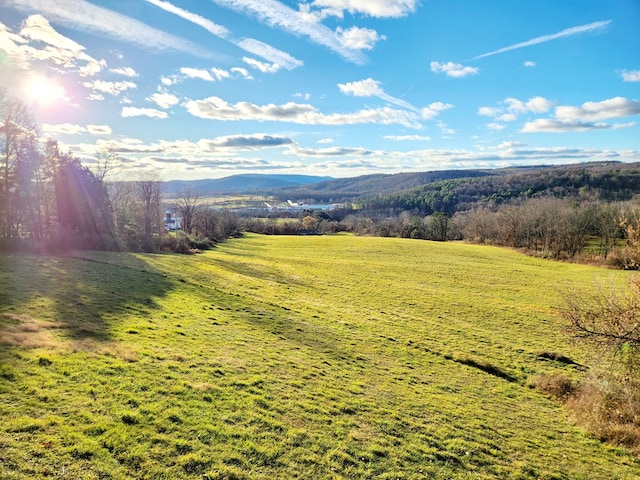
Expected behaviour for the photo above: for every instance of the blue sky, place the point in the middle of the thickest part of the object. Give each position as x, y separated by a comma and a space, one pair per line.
192, 89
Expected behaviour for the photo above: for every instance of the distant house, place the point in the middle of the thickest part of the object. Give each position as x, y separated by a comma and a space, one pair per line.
171, 223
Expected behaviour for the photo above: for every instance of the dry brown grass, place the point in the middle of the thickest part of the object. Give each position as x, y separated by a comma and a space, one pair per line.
554, 385
608, 408
28, 332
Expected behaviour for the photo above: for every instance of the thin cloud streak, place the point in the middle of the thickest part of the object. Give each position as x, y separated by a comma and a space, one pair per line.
276, 14
567, 32
208, 25
87, 17
249, 45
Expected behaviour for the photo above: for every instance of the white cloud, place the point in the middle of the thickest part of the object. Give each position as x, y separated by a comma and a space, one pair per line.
262, 66
444, 128
362, 88
357, 38
112, 88
143, 112
243, 72
87, 17
245, 142
220, 74
277, 14
99, 129
538, 105
568, 32
126, 71
496, 126
617, 107
327, 152
455, 70
164, 99
632, 76
371, 88
529, 64
407, 138
511, 108
217, 109
170, 80
434, 109
326, 141
197, 73
373, 8
38, 40
489, 111
269, 53
558, 126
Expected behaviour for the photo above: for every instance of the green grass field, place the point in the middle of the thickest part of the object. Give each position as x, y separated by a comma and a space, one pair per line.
292, 357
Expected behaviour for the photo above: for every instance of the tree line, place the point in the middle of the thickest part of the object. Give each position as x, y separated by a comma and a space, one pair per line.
50, 201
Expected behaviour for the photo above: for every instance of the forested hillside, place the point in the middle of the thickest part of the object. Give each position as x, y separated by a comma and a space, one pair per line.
352, 189
602, 181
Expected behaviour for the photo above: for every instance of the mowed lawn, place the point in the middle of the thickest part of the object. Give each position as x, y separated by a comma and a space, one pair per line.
292, 357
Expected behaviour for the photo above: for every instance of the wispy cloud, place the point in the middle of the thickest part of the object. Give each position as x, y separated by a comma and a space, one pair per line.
567, 32
198, 73
208, 25
267, 52
72, 129
373, 8
371, 88
278, 15
112, 88
407, 138
250, 45
126, 71
631, 76
143, 112
87, 17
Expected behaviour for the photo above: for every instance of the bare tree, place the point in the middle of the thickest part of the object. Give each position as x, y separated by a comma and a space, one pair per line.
105, 164
610, 319
188, 204
149, 193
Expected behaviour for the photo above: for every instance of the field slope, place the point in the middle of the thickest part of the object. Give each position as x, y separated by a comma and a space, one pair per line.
291, 357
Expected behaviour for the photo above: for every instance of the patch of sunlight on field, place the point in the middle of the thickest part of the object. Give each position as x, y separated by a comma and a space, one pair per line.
295, 357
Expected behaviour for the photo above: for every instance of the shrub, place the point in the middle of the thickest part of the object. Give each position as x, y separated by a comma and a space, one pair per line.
610, 410
554, 385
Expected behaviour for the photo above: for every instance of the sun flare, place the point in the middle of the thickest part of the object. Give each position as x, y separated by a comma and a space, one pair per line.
44, 90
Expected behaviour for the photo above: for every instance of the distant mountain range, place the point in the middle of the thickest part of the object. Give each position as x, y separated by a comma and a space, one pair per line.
244, 183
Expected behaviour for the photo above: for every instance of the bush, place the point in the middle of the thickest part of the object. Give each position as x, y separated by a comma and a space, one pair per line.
610, 409
555, 385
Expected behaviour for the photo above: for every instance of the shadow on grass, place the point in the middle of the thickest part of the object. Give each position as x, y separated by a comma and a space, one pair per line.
79, 297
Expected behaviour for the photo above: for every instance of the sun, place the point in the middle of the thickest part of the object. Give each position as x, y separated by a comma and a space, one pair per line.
44, 91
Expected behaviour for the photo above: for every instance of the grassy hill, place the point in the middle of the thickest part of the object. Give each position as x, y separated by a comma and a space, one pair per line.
291, 357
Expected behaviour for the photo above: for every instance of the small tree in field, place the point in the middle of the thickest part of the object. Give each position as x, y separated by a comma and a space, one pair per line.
610, 320
631, 252
608, 402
